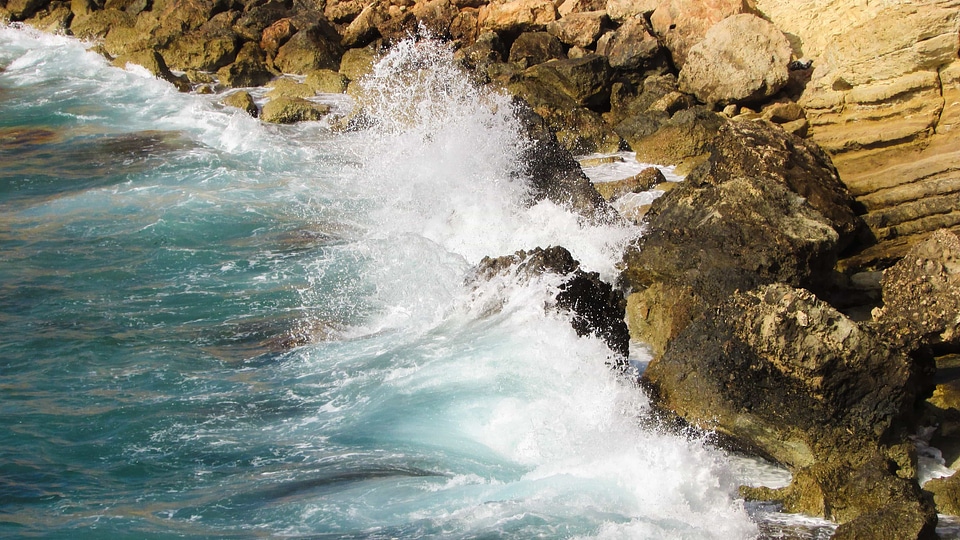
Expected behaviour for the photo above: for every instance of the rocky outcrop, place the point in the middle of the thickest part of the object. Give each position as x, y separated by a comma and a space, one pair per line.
882, 100
596, 308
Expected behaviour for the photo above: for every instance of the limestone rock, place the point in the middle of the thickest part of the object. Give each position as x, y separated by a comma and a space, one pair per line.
684, 23
24, 9
532, 48
356, 63
289, 110
596, 307
579, 29
207, 48
327, 81
740, 60
52, 19
584, 80
516, 15
621, 10
921, 294
288, 87
580, 6
276, 35
946, 494
153, 62
243, 101
98, 23
251, 25
659, 138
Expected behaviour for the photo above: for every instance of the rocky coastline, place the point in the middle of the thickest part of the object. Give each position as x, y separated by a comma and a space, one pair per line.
799, 290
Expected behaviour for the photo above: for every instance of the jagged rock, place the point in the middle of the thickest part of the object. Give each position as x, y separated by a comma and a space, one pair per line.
532, 48
621, 10
741, 59
311, 48
249, 68
255, 20
683, 139
465, 27
596, 307
243, 101
632, 47
579, 29
643, 181
921, 295
554, 174
207, 48
327, 81
516, 15
765, 208
487, 50
633, 100
584, 80
436, 16
340, 11
97, 24
580, 6
681, 24
24, 9
54, 18
153, 62
364, 28
289, 110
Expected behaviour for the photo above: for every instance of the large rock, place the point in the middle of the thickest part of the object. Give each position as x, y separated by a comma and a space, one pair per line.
683, 139
532, 48
681, 24
580, 29
620, 10
742, 59
516, 15
584, 80
631, 47
765, 208
309, 49
596, 307
208, 48
882, 100
290, 110
153, 62
248, 69
554, 174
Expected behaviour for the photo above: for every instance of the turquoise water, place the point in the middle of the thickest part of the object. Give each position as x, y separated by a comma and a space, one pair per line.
212, 327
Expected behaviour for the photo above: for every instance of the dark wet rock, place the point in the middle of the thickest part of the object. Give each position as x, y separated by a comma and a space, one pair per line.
584, 80
596, 307
20, 10
531, 48
682, 24
554, 174
248, 69
487, 50
921, 295
290, 110
309, 49
243, 101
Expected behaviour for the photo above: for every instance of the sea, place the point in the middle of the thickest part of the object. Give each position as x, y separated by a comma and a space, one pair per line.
214, 327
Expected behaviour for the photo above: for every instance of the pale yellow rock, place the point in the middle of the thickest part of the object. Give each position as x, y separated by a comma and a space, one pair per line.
516, 15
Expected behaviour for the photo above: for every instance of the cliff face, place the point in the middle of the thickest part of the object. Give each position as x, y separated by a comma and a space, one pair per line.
883, 100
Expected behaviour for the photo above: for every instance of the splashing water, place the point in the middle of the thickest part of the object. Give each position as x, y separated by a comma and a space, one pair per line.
248, 330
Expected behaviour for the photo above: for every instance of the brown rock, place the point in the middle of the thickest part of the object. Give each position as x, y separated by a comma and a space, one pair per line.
288, 87
580, 6
622, 10
643, 181
309, 49
327, 81
243, 101
208, 48
24, 9
289, 110
681, 24
276, 35
632, 47
532, 48
517, 15
661, 139
946, 494
98, 23
579, 29
584, 80
153, 62
356, 63
741, 59
257, 18
249, 68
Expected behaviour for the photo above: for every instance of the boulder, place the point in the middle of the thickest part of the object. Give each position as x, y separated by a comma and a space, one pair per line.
249, 68
631, 47
532, 48
208, 48
921, 295
251, 25
436, 16
311, 48
54, 18
754, 213
579, 29
243, 101
946, 494
288, 87
21, 10
289, 110
97, 24
364, 28
515, 16
584, 80
553, 173
276, 35
343, 11
681, 24
741, 59
683, 139
596, 307
356, 63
